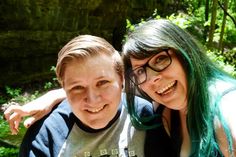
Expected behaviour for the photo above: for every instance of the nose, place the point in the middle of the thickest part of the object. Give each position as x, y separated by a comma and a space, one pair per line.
152, 76
92, 96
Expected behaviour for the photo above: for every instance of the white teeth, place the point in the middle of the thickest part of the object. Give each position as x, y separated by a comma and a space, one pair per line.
96, 110
161, 91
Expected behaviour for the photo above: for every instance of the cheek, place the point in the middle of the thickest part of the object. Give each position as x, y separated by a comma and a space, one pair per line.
184, 83
114, 89
147, 88
74, 99
179, 72
111, 95
77, 107
182, 77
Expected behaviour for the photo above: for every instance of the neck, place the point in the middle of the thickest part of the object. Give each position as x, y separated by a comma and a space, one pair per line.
186, 145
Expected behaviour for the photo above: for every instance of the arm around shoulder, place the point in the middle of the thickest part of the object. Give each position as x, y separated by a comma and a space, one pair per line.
36, 109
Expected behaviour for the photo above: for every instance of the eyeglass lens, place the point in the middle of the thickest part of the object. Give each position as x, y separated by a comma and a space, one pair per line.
157, 63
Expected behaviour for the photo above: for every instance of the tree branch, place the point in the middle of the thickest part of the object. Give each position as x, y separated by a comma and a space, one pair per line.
225, 11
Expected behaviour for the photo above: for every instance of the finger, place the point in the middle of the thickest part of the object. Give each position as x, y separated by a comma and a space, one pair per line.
14, 123
10, 110
31, 120
14, 132
17, 123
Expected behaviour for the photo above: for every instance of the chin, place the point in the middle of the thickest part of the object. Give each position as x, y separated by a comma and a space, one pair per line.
98, 125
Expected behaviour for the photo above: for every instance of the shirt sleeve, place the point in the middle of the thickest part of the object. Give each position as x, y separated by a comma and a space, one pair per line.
45, 137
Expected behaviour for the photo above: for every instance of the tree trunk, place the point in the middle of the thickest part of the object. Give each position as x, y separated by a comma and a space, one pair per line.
221, 48
212, 26
206, 28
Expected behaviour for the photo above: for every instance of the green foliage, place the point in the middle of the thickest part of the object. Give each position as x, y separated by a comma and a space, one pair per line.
19, 97
13, 92
53, 83
4, 128
129, 26
226, 60
230, 33
48, 85
230, 56
13, 141
12, 152
220, 61
53, 68
181, 19
16, 94
6, 134
2, 99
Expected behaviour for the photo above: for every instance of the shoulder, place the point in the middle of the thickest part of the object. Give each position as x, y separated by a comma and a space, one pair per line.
228, 111
60, 115
49, 133
142, 106
59, 118
228, 108
227, 99
218, 86
138, 101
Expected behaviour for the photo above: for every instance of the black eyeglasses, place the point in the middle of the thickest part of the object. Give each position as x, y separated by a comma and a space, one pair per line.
158, 62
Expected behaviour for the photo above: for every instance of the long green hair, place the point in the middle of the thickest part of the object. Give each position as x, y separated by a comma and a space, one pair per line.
201, 74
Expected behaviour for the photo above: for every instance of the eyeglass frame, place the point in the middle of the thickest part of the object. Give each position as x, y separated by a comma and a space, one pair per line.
147, 65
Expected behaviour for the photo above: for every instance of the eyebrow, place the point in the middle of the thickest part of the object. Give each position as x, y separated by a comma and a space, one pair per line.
138, 66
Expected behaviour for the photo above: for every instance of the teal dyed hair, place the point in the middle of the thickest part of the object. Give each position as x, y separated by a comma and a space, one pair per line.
201, 74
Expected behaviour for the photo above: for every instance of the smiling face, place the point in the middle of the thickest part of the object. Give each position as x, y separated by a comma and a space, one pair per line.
168, 87
93, 89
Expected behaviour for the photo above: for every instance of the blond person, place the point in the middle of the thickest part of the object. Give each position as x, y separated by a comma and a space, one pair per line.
93, 120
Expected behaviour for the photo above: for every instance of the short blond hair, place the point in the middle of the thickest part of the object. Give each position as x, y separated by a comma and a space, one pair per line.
82, 47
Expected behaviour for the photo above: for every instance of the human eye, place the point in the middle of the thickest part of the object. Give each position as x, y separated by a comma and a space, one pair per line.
102, 82
161, 59
139, 71
77, 88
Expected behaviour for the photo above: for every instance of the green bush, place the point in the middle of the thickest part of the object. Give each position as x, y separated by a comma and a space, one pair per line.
11, 152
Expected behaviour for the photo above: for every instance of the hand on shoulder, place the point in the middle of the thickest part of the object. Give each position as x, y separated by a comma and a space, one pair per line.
35, 109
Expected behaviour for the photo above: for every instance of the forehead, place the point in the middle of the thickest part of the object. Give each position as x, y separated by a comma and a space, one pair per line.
138, 62
89, 71
98, 61
92, 65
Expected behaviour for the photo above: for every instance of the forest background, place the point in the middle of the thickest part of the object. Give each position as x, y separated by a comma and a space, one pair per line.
32, 33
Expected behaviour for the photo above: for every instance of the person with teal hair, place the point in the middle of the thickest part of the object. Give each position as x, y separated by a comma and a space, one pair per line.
196, 109
193, 99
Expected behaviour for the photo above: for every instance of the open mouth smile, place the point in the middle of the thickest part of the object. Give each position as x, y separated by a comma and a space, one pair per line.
96, 110
167, 89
